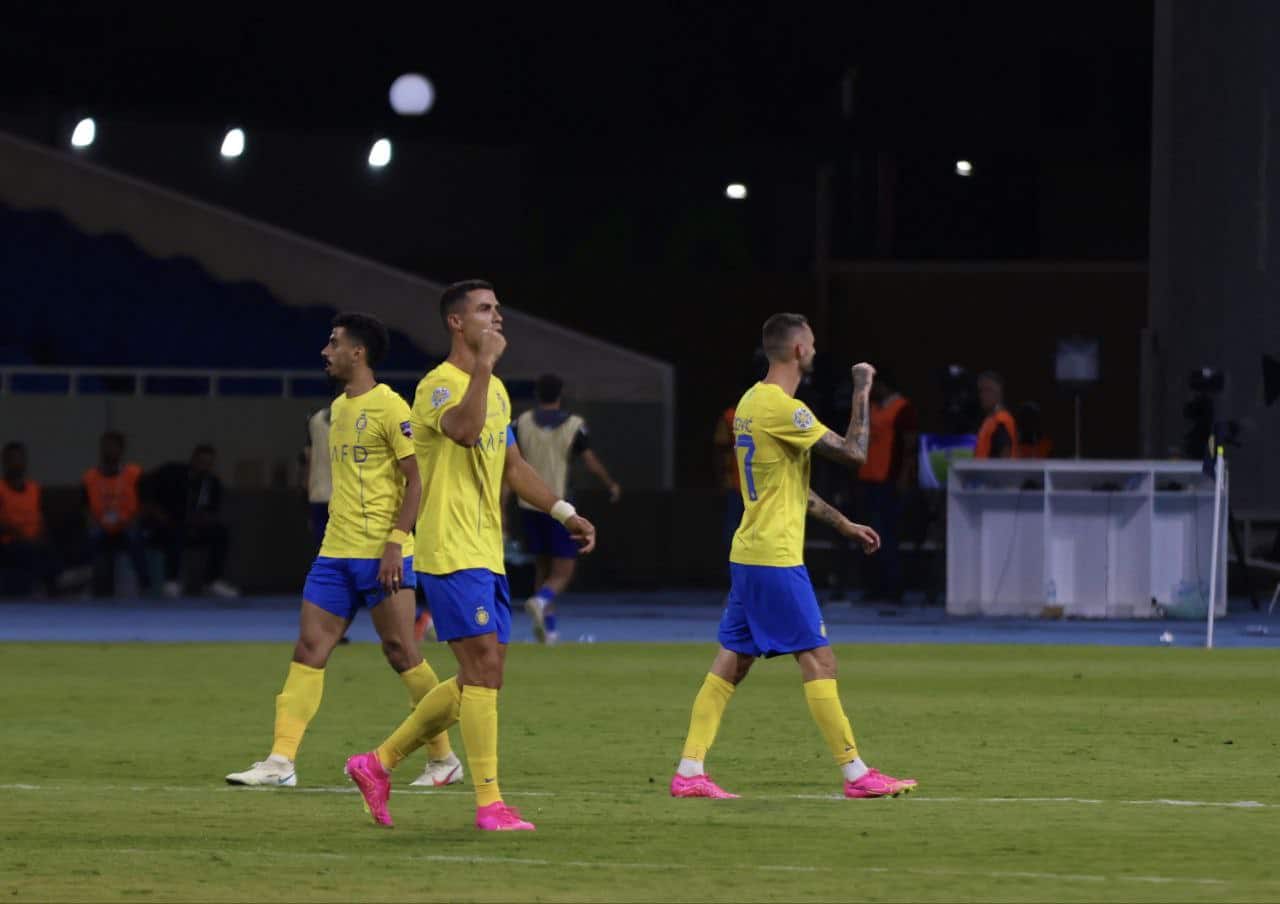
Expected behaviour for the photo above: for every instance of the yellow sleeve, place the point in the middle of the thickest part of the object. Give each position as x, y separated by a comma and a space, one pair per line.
791, 422
436, 394
398, 427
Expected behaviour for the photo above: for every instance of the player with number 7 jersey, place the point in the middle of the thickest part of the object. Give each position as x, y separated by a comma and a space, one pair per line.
772, 609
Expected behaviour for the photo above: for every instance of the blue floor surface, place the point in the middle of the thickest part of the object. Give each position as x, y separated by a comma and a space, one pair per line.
673, 616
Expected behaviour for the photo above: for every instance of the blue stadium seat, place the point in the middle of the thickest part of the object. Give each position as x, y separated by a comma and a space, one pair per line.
101, 300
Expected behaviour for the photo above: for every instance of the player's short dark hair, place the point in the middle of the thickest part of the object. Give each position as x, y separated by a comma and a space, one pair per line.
14, 445
993, 377
203, 449
456, 293
366, 330
114, 436
777, 333
548, 389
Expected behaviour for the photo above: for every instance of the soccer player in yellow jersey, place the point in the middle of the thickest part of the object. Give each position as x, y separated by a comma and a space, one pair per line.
463, 441
366, 557
772, 609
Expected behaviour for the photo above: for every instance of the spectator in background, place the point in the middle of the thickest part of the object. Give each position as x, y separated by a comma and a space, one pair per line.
549, 439
884, 477
317, 474
1032, 443
998, 435
184, 502
111, 501
25, 551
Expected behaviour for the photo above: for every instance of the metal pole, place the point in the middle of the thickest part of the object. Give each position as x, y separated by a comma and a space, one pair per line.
1213, 555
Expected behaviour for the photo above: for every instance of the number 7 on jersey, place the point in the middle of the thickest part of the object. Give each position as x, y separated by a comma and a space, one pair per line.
746, 442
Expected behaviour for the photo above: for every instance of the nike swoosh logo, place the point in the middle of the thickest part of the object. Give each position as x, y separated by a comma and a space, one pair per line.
489, 781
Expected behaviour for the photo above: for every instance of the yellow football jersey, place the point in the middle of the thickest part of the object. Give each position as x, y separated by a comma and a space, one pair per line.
773, 433
368, 435
460, 522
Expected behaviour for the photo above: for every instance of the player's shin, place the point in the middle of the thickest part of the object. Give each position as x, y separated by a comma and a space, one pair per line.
824, 703
420, 680
434, 714
296, 706
708, 709
479, 723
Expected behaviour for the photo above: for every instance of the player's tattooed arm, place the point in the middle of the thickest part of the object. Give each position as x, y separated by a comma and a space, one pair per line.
825, 512
851, 449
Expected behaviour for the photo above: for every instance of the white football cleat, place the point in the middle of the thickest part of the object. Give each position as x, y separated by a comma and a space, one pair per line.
440, 773
535, 607
222, 589
272, 771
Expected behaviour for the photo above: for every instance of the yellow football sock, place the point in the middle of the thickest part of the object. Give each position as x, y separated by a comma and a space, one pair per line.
824, 703
479, 721
708, 708
420, 680
434, 714
296, 706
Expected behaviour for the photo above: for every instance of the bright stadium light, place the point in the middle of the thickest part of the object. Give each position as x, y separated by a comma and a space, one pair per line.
233, 144
86, 130
735, 190
964, 168
380, 153
412, 94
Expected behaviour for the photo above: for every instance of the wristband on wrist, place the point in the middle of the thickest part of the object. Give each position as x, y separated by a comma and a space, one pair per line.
398, 536
562, 511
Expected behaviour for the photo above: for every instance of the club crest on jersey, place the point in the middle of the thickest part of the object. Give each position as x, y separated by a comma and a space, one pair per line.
361, 422
406, 429
439, 396
482, 616
803, 418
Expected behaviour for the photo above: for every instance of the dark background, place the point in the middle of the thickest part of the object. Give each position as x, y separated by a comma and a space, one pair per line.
580, 161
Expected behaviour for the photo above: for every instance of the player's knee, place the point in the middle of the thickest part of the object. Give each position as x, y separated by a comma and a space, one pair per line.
486, 670
312, 652
399, 656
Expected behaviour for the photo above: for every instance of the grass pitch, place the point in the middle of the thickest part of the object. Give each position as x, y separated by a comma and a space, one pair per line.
1046, 774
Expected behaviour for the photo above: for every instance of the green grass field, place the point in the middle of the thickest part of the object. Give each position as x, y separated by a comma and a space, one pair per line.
111, 784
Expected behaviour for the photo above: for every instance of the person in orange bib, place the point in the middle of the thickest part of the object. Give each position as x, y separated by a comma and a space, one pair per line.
111, 501
24, 547
888, 471
998, 435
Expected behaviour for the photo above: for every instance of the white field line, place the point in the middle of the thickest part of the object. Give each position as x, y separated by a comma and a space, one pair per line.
428, 792
485, 859
481, 859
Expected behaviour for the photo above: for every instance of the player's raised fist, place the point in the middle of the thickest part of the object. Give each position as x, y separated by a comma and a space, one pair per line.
492, 345
863, 374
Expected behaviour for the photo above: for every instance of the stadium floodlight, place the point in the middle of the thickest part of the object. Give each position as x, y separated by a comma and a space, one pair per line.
86, 130
380, 153
735, 190
964, 168
412, 94
233, 144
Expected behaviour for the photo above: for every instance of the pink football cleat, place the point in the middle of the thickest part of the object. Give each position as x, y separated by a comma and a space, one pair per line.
698, 786
877, 784
498, 817
374, 784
